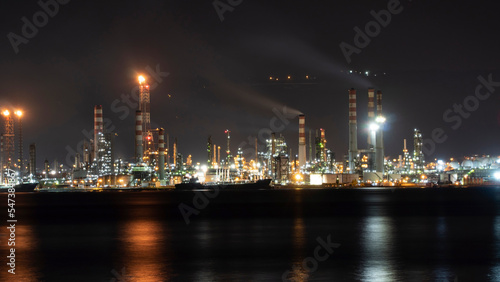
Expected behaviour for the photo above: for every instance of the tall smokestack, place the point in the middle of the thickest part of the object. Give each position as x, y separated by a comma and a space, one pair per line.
353, 130
302, 140
145, 108
98, 128
256, 151
175, 153
379, 153
218, 156
371, 114
138, 136
273, 144
161, 154
215, 156
323, 144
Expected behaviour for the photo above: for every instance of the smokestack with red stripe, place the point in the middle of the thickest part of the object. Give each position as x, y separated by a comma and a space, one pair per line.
138, 136
379, 150
98, 128
371, 114
302, 140
353, 130
161, 154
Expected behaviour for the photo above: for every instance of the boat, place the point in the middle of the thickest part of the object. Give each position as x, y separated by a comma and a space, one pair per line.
262, 184
22, 187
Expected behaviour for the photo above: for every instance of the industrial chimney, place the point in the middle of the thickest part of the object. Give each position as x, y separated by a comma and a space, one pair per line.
98, 128
302, 140
371, 115
353, 130
379, 151
161, 154
138, 136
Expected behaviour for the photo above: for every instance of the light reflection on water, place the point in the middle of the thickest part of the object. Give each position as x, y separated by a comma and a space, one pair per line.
377, 244
143, 240
84, 241
27, 269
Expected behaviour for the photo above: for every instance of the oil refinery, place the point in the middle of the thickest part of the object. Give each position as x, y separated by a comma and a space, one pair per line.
156, 164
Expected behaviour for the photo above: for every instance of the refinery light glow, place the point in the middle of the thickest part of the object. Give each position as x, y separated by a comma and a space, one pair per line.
374, 127
497, 175
141, 79
380, 119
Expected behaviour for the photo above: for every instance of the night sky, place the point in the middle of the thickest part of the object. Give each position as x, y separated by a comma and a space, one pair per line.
90, 53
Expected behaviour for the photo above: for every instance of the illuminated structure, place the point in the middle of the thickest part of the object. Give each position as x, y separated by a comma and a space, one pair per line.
240, 160
407, 162
19, 114
302, 140
371, 116
379, 148
32, 168
105, 157
175, 156
310, 147
145, 108
209, 151
353, 131
321, 147
98, 128
418, 154
218, 156
8, 141
161, 154
228, 151
277, 159
138, 137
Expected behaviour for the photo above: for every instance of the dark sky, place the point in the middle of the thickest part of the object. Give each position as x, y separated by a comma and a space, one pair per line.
90, 52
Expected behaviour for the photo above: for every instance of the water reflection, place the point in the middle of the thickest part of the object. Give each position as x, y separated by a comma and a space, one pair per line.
26, 266
442, 270
143, 244
495, 269
203, 236
377, 249
299, 245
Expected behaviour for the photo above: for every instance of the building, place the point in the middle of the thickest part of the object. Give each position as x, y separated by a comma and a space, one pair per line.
32, 163
418, 154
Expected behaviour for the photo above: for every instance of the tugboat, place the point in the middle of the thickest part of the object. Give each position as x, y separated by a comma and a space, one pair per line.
193, 185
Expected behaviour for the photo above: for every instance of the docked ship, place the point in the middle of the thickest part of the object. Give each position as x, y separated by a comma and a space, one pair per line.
22, 187
262, 184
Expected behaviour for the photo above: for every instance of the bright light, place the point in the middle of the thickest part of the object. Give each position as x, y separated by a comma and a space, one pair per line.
298, 177
316, 179
374, 127
141, 79
380, 119
6, 113
497, 175
19, 113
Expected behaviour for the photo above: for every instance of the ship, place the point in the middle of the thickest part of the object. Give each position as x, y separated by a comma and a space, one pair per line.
263, 184
22, 187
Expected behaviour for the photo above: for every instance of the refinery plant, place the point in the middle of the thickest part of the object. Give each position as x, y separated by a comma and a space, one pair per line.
156, 164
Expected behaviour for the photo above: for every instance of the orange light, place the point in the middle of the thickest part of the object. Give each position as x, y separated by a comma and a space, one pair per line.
141, 79
19, 113
6, 113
